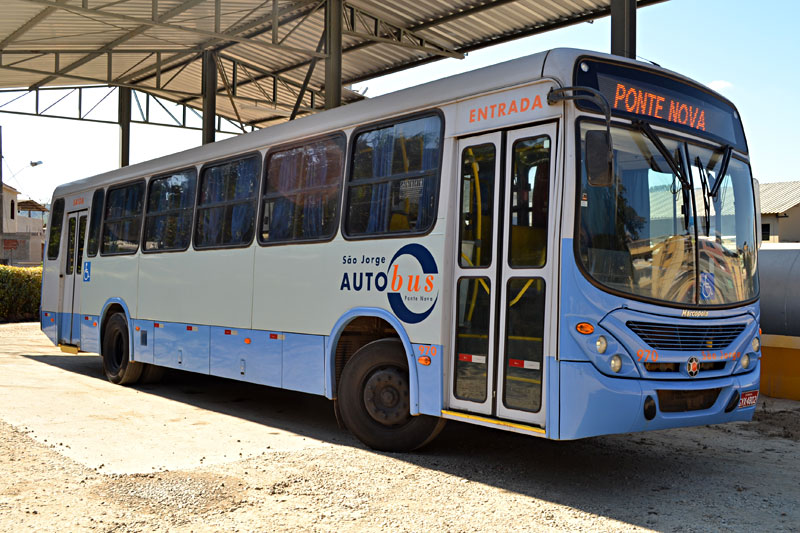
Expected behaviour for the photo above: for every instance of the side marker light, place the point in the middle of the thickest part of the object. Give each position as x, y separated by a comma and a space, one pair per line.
585, 328
424, 360
247, 340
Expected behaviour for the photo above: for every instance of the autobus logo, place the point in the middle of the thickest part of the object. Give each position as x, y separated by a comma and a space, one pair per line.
412, 296
410, 280
693, 366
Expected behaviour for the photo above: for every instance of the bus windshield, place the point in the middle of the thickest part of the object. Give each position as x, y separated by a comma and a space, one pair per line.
648, 236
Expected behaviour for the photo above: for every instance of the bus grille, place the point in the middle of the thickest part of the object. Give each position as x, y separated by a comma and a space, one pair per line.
679, 401
685, 337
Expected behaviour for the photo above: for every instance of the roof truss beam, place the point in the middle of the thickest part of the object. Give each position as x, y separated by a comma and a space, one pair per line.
22, 30
144, 102
375, 28
144, 24
180, 60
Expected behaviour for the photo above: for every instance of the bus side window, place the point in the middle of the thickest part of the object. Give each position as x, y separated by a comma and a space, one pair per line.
301, 193
226, 207
123, 219
394, 180
94, 223
56, 224
170, 210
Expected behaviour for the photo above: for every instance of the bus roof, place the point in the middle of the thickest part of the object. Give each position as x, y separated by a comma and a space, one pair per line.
446, 90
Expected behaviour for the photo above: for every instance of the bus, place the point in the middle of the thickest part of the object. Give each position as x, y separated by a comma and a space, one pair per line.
562, 245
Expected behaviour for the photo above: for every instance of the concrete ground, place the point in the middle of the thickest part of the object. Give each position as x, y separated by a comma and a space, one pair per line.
196, 453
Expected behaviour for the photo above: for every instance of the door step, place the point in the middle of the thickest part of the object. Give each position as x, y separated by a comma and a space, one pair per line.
69, 348
493, 422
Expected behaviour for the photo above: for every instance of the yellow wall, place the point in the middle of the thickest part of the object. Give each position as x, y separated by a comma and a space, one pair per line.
780, 366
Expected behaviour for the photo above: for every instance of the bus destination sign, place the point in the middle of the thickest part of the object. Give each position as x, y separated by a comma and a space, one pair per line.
661, 99
643, 102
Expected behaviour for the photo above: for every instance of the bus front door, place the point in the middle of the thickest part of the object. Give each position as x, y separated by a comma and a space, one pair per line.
503, 274
72, 276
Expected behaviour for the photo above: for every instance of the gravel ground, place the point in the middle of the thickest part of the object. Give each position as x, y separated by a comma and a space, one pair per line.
737, 477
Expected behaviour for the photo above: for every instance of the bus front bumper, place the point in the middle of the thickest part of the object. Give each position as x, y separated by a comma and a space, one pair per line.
595, 404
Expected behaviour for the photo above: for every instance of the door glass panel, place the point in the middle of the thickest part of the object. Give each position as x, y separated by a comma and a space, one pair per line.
522, 388
81, 234
477, 205
71, 246
473, 305
530, 186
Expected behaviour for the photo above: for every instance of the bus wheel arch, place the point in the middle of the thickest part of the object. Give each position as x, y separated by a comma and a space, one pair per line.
374, 400
116, 346
358, 328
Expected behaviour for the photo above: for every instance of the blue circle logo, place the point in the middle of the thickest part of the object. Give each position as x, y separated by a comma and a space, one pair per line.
418, 286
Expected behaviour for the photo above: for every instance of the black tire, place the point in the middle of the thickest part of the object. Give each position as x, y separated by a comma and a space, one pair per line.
152, 374
117, 365
374, 400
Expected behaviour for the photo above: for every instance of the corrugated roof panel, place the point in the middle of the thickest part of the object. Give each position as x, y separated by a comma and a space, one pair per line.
779, 197
127, 26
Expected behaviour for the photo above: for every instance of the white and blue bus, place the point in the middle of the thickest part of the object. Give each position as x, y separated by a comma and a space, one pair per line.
562, 245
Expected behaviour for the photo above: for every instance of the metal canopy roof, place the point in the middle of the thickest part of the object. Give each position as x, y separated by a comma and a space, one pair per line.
270, 56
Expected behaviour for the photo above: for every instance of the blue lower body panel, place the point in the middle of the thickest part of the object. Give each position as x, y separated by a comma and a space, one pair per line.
303, 363
50, 325
247, 355
595, 404
429, 377
143, 341
181, 346
89, 333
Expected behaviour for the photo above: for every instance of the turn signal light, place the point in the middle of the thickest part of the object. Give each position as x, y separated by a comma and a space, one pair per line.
424, 360
585, 328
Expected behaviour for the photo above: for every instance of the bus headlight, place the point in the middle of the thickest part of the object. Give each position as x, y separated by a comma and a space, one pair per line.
756, 344
616, 363
601, 344
745, 362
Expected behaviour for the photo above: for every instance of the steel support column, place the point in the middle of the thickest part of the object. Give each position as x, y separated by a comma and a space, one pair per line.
333, 49
124, 120
209, 96
623, 28
1, 190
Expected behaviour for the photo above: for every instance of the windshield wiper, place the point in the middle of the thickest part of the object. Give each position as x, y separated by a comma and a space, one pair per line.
726, 158
674, 166
706, 194
645, 128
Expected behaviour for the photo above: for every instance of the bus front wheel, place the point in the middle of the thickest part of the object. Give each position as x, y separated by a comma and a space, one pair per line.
117, 365
374, 400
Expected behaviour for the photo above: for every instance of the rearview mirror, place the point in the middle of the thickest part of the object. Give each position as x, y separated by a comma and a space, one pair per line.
599, 171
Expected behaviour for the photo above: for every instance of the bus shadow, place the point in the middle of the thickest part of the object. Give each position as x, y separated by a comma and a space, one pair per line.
635, 479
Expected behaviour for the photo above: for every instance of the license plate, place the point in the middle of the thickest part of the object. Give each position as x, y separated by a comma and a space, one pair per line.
748, 399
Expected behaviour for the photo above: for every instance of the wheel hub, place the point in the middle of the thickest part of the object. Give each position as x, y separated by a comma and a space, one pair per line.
386, 396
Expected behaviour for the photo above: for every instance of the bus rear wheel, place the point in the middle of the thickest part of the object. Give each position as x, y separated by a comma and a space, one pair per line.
117, 365
374, 400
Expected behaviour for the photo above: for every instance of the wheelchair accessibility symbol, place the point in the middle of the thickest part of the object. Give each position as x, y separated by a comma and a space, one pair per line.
87, 276
707, 289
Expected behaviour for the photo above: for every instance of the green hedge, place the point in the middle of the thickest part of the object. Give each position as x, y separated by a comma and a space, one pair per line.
20, 291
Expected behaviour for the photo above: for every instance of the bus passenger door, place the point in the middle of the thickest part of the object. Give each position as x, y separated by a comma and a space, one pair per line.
72, 276
503, 274
527, 259
476, 270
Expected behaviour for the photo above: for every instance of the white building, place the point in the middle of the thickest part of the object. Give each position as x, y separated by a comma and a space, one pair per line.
23, 236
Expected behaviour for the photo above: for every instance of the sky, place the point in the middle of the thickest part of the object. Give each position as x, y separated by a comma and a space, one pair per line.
748, 51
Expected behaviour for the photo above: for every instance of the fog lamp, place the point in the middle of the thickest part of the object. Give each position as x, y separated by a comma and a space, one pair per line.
601, 344
616, 363
746, 360
756, 344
